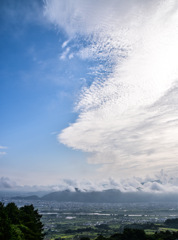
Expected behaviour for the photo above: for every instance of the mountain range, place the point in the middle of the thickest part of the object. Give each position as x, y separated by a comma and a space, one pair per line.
107, 196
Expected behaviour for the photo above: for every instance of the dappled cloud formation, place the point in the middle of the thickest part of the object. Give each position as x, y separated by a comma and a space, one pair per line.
127, 116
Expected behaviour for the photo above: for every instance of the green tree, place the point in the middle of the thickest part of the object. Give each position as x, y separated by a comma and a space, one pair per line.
133, 234
12, 212
20, 224
5, 228
31, 219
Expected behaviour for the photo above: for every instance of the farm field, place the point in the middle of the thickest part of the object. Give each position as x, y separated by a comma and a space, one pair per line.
74, 220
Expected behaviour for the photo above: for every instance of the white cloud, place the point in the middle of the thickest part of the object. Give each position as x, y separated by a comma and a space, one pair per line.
6, 183
160, 183
65, 44
128, 116
65, 53
2, 152
3, 147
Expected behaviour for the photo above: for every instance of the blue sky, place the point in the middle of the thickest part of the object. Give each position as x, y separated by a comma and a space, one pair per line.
88, 90
37, 96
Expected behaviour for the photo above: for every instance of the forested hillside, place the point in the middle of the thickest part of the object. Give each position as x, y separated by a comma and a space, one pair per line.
20, 223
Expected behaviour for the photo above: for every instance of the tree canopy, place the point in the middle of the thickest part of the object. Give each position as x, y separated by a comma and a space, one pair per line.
20, 223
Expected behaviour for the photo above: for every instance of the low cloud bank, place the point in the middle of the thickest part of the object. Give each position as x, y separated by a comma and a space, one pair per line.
6, 183
160, 183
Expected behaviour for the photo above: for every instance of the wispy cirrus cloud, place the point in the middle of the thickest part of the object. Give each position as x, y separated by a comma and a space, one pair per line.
17, 10
2, 152
3, 147
128, 115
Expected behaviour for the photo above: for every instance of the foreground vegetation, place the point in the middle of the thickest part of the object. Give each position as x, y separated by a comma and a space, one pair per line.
127, 234
136, 234
79, 222
20, 223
